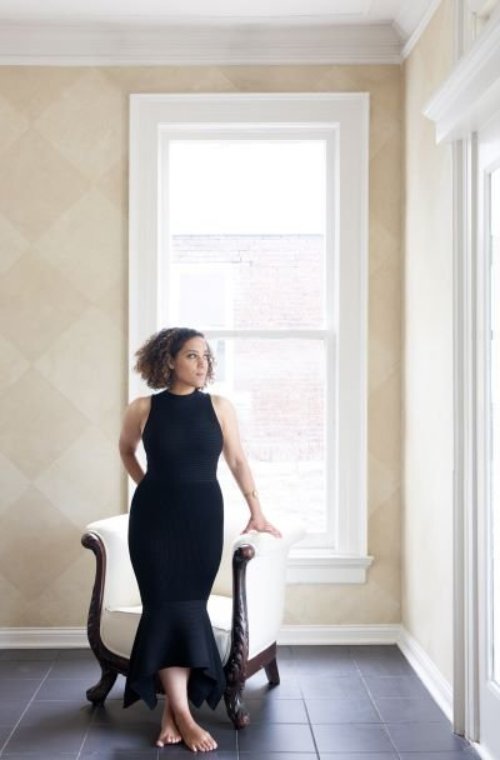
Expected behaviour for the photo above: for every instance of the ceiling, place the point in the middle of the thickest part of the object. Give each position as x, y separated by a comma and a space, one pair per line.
404, 15
209, 31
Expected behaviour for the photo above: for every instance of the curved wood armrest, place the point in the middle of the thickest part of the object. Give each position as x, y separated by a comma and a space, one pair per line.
93, 542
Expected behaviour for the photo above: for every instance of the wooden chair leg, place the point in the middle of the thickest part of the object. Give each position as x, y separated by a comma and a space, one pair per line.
235, 668
98, 693
272, 672
236, 710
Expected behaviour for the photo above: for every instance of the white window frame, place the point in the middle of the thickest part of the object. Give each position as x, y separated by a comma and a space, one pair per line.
344, 119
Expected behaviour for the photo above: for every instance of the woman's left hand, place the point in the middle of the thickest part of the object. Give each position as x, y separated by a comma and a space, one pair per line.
262, 525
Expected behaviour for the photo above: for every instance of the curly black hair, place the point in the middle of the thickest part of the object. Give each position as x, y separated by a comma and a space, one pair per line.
153, 356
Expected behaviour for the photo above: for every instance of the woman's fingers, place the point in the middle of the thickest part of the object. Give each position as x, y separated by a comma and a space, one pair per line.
262, 526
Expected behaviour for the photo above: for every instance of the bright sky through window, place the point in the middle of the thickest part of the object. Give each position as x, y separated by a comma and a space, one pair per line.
247, 187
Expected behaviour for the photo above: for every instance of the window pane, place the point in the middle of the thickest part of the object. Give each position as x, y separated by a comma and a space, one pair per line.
278, 389
250, 214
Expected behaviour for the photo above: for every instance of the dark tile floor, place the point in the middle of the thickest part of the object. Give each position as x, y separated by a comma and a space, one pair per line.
334, 702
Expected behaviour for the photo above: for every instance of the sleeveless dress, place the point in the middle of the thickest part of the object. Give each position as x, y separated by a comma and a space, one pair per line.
175, 539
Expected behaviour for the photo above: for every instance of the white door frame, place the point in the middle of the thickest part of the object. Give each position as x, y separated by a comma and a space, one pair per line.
466, 101
488, 160
465, 561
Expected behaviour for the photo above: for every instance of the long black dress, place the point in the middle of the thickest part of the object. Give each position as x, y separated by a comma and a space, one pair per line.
175, 540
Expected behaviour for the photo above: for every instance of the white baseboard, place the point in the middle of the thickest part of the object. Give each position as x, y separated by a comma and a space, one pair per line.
440, 689
43, 638
339, 634
67, 638
482, 752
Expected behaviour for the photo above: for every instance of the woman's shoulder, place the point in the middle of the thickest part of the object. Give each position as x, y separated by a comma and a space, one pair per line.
134, 418
139, 406
221, 401
223, 406
224, 410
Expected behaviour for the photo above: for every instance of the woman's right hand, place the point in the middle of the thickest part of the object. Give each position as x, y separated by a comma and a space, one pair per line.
260, 524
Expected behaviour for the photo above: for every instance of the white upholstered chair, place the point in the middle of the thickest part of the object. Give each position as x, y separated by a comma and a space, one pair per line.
246, 605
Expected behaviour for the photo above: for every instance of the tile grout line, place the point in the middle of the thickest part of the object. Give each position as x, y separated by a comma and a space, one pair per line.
382, 722
316, 750
2, 748
91, 723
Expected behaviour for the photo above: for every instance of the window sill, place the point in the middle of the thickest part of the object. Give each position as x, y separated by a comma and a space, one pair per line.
320, 566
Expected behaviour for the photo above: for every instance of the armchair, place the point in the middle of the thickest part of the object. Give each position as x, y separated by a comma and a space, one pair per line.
245, 607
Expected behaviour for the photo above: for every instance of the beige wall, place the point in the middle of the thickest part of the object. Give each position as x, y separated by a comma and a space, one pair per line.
63, 240
427, 583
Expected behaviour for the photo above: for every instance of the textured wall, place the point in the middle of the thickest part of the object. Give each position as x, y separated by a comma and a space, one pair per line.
427, 593
63, 243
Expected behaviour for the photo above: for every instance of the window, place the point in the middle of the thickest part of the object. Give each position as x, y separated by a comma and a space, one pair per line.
248, 219
244, 259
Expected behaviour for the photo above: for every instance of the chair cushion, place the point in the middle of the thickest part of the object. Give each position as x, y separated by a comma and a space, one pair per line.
119, 625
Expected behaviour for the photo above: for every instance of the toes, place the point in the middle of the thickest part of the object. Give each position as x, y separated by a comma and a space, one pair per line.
167, 739
208, 744
172, 739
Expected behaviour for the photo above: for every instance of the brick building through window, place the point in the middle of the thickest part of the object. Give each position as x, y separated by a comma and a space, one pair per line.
278, 385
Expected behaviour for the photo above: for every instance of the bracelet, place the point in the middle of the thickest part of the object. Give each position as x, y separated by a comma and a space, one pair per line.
251, 493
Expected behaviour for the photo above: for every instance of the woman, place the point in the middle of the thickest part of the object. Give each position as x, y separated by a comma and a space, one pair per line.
176, 527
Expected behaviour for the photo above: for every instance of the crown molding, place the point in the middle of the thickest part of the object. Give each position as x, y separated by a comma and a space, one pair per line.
471, 94
49, 44
402, 23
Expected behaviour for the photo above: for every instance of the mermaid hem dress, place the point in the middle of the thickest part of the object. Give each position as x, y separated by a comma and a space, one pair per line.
175, 539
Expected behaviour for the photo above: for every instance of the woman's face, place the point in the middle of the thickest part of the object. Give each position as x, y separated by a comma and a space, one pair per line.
191, 363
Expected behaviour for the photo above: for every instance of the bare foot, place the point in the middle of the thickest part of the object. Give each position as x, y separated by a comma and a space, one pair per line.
194, 736
169, 733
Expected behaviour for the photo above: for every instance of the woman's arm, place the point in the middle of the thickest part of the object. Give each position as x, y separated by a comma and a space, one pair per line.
134, 418
238, 464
